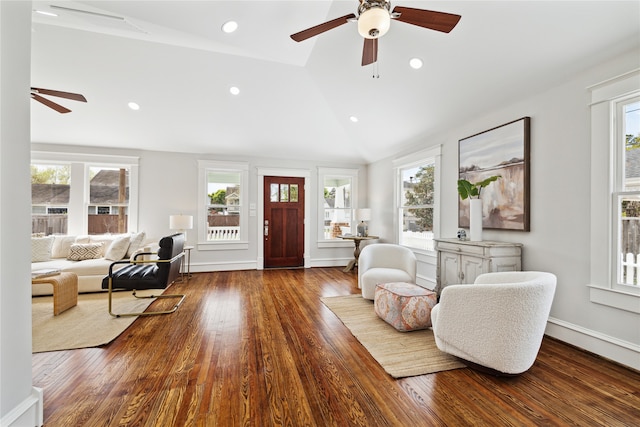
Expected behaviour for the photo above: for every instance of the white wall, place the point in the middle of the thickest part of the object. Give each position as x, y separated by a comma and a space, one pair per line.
169, 185
560, 204
20, 403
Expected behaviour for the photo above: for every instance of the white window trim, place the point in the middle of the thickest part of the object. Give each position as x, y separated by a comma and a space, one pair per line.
338, 172
78, 221
203, 243
603, 287
412, 160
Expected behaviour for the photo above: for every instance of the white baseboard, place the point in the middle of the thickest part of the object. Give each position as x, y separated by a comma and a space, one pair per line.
612, 348
425, 282
330, 262
30, 412
223, 266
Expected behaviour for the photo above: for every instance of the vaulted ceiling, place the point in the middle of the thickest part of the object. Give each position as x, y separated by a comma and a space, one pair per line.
296, 99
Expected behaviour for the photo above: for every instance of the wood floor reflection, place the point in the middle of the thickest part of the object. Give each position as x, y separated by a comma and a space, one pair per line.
258, 348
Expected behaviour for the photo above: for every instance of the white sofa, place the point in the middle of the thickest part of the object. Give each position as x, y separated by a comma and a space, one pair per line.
384, 263
496, 323
89, 256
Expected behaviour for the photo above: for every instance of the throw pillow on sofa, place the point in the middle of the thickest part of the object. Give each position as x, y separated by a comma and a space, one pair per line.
137, 239
62, 246
118, 248
41, 248
82, 251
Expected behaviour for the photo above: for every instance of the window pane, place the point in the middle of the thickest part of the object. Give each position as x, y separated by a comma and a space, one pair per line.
294, 192
50, 189
631, 114
629, 203
417, 185
417, 190
108, 188
284, 192
274, 192
417, 228
223, 212
337, 206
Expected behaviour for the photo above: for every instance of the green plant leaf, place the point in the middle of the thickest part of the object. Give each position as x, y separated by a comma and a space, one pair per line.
467, 189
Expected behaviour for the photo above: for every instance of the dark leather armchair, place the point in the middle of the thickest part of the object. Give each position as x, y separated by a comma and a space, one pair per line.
143, 273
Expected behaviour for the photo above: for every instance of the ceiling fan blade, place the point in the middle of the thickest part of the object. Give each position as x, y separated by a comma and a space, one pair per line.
369, 51
58, 93
439, 21
318, 29
59, 108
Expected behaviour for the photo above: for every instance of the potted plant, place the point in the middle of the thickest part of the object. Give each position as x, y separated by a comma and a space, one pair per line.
472, 191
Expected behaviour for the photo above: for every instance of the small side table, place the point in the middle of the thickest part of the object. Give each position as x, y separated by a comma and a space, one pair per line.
186, 263
65, 290
356, 253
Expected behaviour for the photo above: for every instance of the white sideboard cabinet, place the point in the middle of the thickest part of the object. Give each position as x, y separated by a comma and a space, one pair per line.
461, 261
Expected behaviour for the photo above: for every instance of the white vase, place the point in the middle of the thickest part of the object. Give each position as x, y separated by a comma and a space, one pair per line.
475, 220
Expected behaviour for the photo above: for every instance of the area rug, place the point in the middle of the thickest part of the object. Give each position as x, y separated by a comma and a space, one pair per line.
88, 324
401, 354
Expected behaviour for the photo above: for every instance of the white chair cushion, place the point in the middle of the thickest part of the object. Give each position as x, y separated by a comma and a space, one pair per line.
373, 276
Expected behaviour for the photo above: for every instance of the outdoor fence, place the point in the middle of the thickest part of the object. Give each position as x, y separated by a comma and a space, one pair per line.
49, 224
630, 248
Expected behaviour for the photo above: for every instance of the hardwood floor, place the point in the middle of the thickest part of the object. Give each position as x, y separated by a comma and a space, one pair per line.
258, 348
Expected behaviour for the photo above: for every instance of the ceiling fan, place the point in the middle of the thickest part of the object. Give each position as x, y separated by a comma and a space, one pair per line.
374, 19
37, 92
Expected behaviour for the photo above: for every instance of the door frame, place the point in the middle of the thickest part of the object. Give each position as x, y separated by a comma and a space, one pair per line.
296, 173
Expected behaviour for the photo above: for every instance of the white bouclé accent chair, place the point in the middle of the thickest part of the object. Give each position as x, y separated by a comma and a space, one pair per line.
496, 323
384, 263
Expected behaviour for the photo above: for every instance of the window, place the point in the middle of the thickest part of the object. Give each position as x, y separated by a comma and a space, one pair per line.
224, 211
108, 200
626, 194
416, 199
615, 200
50, 189
338, 191
83, 194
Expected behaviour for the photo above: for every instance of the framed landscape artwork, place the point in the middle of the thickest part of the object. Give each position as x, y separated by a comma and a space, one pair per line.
503, 151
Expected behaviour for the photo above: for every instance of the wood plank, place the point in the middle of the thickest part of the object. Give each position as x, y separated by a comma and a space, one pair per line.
260, 348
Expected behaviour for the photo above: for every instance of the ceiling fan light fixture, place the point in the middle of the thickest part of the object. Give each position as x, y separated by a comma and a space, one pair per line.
374, 22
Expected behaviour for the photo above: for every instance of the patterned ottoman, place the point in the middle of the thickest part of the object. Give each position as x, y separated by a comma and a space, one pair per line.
405, 306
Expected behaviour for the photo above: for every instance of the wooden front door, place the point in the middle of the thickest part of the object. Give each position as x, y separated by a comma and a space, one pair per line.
283, 227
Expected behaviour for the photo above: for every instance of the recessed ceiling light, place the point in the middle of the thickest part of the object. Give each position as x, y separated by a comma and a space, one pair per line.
234, 90
43, 12
354, 119
415, 63
229, 26
133, 106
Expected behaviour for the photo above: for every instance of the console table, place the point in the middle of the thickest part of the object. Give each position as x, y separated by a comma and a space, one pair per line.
461, 261
356, 253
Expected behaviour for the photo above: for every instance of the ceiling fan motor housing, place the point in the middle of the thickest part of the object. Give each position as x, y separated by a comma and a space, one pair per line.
374, 18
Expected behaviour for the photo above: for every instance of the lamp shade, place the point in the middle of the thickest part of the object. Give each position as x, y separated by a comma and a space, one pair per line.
363, 214
181, 222
374, 23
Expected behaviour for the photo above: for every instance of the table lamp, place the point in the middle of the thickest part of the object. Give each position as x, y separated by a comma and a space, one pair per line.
181, 223
363, 215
